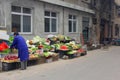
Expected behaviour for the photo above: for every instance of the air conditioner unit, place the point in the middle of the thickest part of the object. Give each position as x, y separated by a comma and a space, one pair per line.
86, 1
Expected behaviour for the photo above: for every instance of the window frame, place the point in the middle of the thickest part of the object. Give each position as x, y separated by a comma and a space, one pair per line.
87, 20
21, 14
118, 11
94, 2
72, 22
116, 30
50, 17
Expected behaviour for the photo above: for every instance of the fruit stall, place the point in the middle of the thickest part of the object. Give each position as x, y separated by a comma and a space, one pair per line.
41, 50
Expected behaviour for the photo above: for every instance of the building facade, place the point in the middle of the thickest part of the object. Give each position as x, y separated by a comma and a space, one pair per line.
116, 20
44, 17
102, 20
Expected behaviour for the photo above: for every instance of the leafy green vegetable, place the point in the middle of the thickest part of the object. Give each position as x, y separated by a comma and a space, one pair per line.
38, 39
67, 38
33, 48
7, 51
72, 52
57, 46
46, 47
61, 37
46, 54
11, 38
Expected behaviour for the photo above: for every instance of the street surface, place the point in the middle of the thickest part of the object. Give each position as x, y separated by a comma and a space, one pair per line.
96, 65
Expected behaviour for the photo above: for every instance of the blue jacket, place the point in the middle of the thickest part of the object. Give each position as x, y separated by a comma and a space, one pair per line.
20, 44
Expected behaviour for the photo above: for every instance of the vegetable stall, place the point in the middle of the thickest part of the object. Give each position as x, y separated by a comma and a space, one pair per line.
41, 50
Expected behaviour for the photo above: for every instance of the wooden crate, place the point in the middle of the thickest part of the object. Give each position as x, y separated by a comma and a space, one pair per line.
55, 57
41, 60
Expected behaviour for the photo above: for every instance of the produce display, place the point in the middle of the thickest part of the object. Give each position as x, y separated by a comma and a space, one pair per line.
4, 48
80, 50
10, 59
60, 42
72, 52
64, 47
43, 48
11, 39
33, 56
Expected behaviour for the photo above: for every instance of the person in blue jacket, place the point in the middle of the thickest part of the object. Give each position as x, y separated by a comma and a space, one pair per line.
20, 44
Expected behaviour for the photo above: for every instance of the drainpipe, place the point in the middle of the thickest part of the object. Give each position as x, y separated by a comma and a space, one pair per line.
63, 21
110, 23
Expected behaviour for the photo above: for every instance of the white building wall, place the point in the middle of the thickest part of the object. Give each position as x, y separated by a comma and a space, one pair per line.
75, 35
59, 11
38, 9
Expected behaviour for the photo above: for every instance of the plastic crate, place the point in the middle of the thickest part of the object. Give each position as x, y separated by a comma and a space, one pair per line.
9, 66
84, 53
49, 60
77, 54
31, 62
62, 53
71, 56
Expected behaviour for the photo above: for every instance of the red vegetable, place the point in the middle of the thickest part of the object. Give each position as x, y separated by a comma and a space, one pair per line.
40, 46
10, 57
81, 50
3, 46
63, 47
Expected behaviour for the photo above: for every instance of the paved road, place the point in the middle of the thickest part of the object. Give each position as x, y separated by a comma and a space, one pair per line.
97, 65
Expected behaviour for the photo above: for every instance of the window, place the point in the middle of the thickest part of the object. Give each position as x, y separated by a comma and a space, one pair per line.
116, 30
50, 21
118, 11
94, 2
21, 19
72, 23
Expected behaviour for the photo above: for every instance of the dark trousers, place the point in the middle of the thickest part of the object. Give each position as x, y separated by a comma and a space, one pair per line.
23, 65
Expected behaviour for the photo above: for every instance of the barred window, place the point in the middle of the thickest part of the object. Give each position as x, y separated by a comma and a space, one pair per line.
21, 19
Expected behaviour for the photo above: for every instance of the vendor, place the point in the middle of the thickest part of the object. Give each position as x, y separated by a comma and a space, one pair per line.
20, 44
